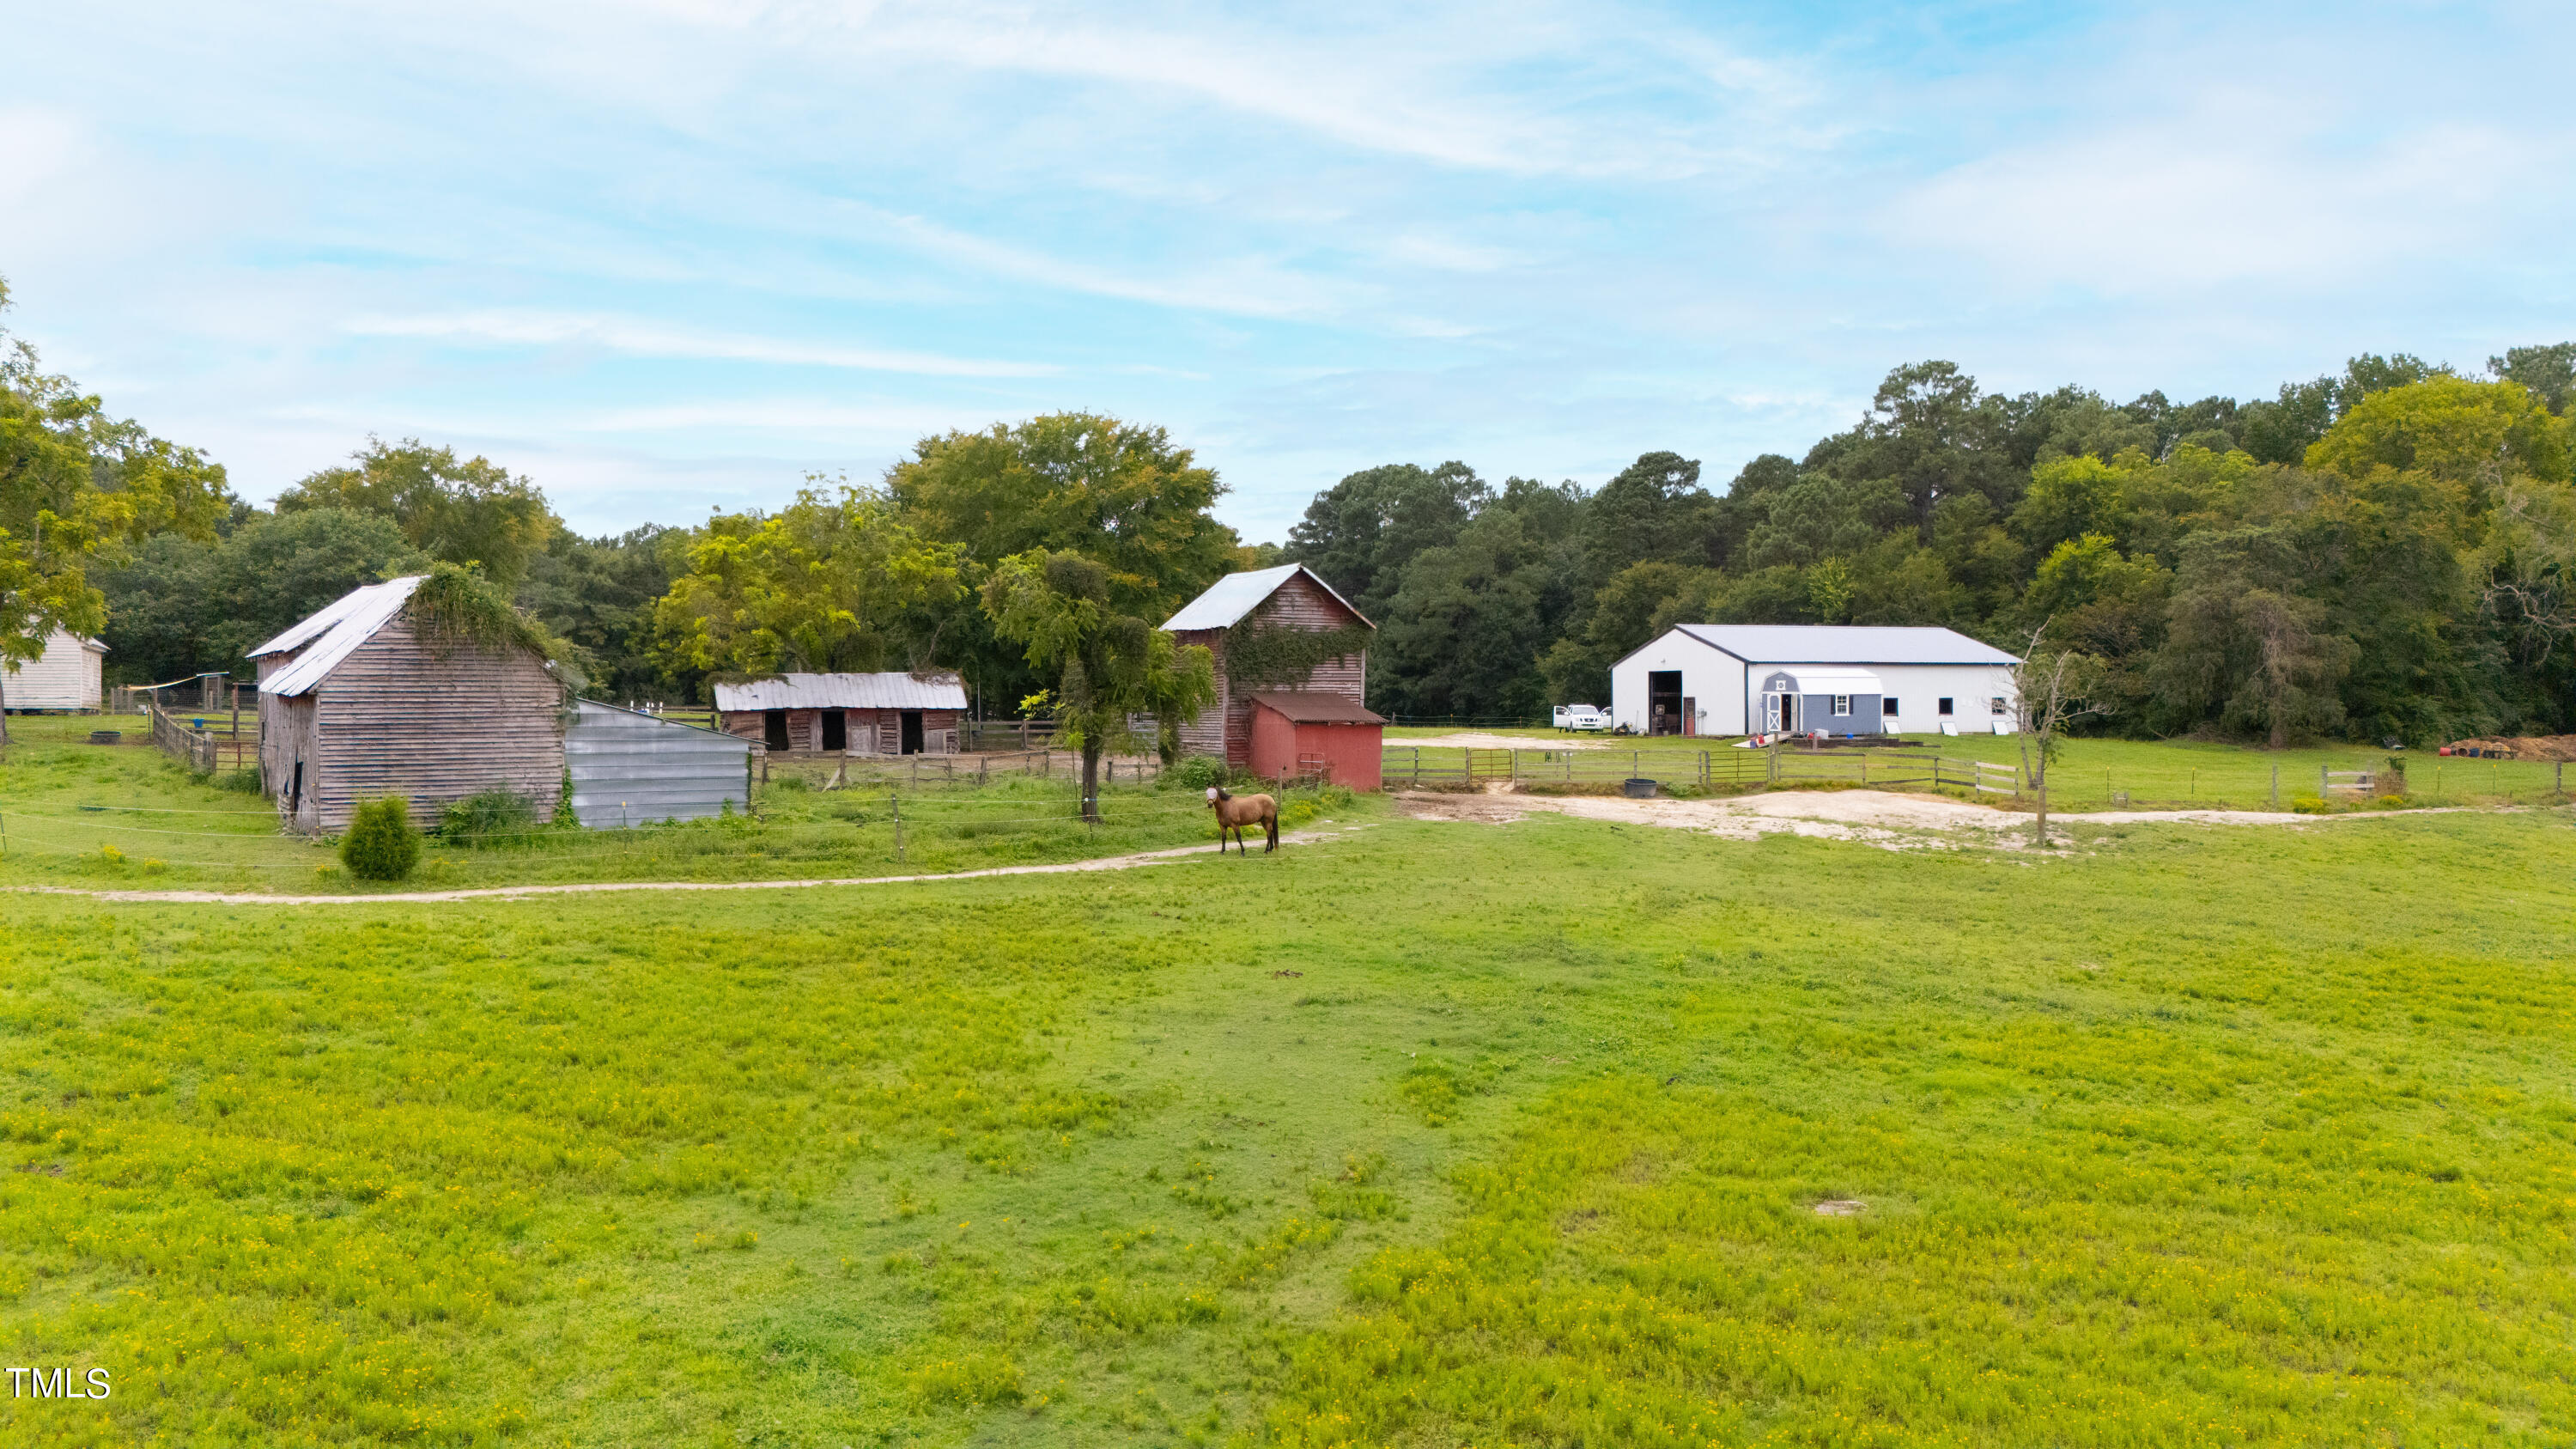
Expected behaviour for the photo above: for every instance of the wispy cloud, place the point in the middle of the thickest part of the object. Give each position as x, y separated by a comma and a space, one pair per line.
638, 338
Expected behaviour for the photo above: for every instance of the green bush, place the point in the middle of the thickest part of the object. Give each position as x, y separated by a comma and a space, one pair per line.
245, 781
490, 817
1198, 772
381, 843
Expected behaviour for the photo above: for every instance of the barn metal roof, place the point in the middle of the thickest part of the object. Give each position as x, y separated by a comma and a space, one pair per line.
1230, 598
336, 632
1826, 678
1309, 708
1845, 644
893, 690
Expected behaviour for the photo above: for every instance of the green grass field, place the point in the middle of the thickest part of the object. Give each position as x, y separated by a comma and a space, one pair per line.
125, 817
1426, 1134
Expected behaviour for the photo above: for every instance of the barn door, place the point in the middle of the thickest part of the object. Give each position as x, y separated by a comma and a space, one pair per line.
836, 731
1690, 715
912, 732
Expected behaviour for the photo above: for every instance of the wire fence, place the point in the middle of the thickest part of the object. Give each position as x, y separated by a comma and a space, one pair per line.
2252, 784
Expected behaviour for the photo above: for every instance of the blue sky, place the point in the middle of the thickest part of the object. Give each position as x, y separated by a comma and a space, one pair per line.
670, 256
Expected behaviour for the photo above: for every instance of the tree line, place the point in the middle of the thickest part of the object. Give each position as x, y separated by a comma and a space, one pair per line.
2383, 552
2388, 552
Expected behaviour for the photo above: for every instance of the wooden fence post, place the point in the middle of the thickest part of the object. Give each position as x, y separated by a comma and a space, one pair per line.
2276, 784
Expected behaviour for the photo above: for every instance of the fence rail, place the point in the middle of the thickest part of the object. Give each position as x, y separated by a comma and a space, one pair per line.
204, 750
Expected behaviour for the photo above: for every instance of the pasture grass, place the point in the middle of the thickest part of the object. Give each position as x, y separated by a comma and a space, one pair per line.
128, 817
1431, 1134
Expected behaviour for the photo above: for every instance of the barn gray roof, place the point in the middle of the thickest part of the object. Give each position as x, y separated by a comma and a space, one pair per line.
1845, 644
335, 632
1230, 598
893, 690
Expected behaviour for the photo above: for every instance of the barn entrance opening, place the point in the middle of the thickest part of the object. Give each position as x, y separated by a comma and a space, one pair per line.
836, 730
1780, 713
773, 728
1664, 702
912, 732
295, 793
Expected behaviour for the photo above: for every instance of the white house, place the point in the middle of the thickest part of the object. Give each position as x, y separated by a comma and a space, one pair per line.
1740, 679
68, 676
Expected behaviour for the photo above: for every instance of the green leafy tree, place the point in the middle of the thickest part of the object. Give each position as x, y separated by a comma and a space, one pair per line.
1108, 667
1119, 494
460, 511
600, 593
1653, 510
1364, 531
2548, 373
78, 488
838, 580
1577, 667
181, 605
1464, 634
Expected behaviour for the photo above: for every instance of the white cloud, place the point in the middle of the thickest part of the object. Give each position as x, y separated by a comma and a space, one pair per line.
649, 339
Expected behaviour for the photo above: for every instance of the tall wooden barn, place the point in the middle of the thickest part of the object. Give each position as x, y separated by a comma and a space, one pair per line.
1330, 697
870, 714
354, 705
69, 677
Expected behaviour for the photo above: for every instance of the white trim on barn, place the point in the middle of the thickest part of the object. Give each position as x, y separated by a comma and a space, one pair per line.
69, 675
1720, 670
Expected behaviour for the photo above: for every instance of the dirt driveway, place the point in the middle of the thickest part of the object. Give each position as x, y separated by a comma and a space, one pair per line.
1875, 817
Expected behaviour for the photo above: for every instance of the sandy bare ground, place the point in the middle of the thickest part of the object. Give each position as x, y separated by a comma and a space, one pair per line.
1476, 740
491, 893
1873, 817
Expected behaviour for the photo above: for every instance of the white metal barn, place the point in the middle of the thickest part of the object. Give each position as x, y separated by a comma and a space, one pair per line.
69, 675
1739, 679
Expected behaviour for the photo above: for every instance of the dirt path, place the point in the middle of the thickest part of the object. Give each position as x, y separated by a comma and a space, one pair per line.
1875, 817
485, 893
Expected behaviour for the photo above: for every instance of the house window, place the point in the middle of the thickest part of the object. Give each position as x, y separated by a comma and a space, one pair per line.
1995, 706
1842, 705
1887, 706
1946, 711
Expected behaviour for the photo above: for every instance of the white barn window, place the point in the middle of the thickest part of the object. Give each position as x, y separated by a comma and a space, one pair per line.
1946, 710
1842, 705
1887, 706
1995, 706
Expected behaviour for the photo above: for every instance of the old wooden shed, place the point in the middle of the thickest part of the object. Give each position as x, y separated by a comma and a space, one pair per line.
1259, 605
870, 714
358, 702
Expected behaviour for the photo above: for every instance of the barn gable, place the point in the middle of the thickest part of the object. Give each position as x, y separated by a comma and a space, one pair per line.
1290, 596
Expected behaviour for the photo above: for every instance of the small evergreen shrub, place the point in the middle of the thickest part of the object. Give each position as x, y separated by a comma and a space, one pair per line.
489, 817
381, 843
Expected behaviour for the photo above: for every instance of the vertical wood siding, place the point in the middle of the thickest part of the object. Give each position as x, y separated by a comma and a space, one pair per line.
1226, 727
395, 718
66, 676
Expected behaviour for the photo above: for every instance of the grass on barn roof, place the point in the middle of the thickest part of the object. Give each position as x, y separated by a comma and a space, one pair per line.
1438, 1133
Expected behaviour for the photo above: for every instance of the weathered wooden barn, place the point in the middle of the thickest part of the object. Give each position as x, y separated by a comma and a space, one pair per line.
68, 677
1243, 607
869, 714
355, 704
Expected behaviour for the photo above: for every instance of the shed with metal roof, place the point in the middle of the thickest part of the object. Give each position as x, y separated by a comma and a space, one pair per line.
1738, 679
890, 713
355, 704
1290, 597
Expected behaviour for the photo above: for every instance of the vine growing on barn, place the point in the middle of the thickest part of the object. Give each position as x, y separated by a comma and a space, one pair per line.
1261, 653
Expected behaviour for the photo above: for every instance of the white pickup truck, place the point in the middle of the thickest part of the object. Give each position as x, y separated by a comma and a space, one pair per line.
1581, 717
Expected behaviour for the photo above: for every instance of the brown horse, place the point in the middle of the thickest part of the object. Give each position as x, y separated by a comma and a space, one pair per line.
1233, 812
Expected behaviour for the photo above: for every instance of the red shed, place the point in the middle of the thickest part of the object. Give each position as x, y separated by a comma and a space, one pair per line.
1331, 735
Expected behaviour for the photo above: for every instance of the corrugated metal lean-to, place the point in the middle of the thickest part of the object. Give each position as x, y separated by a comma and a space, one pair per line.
634, 769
